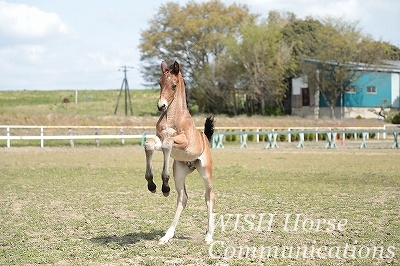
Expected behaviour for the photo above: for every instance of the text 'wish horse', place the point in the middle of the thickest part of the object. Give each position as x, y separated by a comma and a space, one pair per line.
177, 137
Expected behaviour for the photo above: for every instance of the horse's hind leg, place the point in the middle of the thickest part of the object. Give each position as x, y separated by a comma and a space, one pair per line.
204, 167
149, 148
181, 170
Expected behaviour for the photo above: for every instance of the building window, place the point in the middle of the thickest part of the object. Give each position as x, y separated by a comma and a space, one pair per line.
305, 93
371, 90
351, 89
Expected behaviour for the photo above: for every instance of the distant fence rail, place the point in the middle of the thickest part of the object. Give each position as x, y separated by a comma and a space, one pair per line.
72, 133
330, 136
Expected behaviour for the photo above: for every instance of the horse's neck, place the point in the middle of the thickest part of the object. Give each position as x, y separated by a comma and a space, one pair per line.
178, 108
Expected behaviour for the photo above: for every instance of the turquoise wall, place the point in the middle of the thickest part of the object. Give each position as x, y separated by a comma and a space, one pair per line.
381, 80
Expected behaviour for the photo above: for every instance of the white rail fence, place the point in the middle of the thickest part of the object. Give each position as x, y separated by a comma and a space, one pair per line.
72, 133
13, 133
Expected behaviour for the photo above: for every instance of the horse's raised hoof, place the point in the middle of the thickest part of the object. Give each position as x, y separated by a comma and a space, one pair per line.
165, 190
152, 187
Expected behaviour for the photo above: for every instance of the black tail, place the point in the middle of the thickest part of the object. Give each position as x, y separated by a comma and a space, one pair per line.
209, 127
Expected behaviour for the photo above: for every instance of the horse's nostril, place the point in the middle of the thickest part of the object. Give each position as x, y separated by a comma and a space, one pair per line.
161, 108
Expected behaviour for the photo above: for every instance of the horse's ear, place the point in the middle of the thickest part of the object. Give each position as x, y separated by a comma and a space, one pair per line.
176, 68
164, 67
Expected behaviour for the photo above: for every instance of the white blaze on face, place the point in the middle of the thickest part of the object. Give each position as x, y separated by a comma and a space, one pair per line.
162, 101
162, 104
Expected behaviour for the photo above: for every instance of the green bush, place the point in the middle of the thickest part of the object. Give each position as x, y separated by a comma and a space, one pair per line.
282, 137
193, 109
250, 137
372, 135
349, 135
309, 136
228, 137
234, 137
396, 118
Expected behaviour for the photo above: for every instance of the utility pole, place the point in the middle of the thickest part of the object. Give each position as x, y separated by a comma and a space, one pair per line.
124, 86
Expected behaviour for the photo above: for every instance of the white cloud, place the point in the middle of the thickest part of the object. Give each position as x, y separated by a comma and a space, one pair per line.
26, 22
351, 10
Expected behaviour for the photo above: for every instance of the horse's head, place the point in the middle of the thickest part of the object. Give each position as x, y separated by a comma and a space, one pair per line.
169, 83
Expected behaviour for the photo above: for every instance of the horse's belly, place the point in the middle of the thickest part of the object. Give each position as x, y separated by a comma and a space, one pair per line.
185, 155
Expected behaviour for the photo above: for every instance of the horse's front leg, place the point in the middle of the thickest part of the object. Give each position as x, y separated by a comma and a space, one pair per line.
149, 147
166, 149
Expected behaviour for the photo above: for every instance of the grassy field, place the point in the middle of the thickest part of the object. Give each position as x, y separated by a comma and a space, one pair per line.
96, 108
90, 206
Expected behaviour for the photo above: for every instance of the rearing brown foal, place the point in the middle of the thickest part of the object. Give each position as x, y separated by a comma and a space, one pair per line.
177, 137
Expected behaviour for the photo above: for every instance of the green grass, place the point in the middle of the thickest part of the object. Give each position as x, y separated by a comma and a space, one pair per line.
90, 103
96, 108
90, 205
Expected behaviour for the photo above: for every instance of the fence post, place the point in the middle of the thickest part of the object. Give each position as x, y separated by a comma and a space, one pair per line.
8, 138
243, 140
96, 132
316, 135
331, 140
396, 143
71, 141
363, 140
143, 139
289, 136
41, 138
272, 140
384, 133
258, 135
216, 141
343, 138
121, 132
301, 140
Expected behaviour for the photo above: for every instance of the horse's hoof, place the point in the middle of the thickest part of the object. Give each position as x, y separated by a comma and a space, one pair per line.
208, 239
152, 188
165, 190
162, 242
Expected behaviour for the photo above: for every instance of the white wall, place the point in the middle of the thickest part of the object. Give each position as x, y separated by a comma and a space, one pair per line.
297, 84
395, 90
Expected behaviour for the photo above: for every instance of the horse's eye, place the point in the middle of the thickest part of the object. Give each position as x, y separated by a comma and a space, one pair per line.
174, 86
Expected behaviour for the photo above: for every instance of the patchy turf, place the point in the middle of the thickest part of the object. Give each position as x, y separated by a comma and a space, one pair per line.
90, 206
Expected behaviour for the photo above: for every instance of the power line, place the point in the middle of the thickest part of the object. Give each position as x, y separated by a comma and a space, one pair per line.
125, 86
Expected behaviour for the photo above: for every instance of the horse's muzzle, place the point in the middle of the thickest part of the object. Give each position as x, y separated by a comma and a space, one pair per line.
162, 105
162, 108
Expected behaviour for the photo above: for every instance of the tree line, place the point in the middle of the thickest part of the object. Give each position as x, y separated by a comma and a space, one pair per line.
236, 62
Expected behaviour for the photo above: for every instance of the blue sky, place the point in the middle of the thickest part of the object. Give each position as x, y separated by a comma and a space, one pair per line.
50, 45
